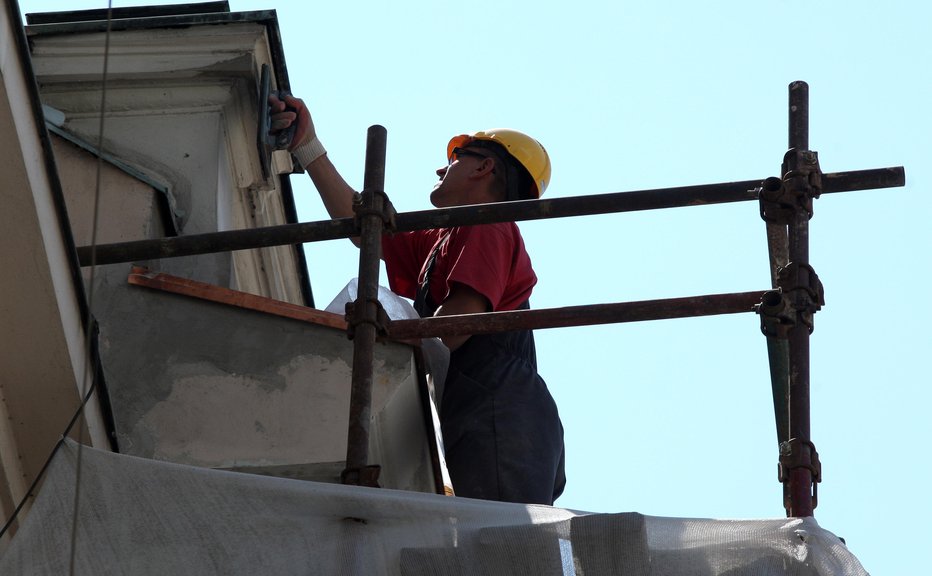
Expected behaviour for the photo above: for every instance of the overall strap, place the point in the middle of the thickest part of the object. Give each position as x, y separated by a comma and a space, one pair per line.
423, 303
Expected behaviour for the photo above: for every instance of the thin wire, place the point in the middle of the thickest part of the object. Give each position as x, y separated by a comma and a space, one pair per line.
87, 390
90, 291
48, 461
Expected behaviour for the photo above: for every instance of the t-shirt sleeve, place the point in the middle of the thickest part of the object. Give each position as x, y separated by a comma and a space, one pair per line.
404, 255
483, 258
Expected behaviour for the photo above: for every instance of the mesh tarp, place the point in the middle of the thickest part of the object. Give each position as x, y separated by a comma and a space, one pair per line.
141, 517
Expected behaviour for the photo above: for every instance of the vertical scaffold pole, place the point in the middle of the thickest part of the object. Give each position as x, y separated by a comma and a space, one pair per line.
800, 477
365, 316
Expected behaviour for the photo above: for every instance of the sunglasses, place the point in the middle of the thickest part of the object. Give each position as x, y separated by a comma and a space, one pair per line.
457, 152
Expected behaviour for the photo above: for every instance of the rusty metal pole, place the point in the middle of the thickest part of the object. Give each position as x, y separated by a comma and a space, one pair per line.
365, 317
586, 315
520, 210
799, 477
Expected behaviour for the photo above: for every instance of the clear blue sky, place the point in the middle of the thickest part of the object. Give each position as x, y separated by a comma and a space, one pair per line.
672, 418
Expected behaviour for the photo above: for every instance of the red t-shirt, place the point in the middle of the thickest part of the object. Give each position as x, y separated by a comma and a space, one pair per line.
489, 258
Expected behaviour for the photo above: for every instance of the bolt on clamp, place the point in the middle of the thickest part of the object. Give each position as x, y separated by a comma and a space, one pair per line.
386, 214
355, 317
782, 198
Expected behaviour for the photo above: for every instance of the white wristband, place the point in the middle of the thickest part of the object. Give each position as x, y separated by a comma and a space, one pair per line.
309, 151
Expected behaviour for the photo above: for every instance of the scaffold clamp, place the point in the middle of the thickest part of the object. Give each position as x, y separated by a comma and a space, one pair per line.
776, 315
361, 209
782, 198
353, 319
802, 290
795, 454
362, 476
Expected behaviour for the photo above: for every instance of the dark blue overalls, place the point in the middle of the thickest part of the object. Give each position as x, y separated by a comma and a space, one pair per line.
502, 435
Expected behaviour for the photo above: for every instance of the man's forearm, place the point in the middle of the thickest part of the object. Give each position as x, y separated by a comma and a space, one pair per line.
336, 194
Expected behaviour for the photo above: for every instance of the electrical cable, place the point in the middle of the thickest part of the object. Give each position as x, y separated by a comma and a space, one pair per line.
48, 461
88, 390
90, 291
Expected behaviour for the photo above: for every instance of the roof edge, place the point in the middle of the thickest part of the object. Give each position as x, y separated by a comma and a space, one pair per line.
49, 26
104, 14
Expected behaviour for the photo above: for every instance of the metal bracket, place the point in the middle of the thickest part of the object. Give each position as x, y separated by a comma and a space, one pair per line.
802, 291
781, 198
794, 454
387, 214
381, 320
364, 476
800, 295
776, 315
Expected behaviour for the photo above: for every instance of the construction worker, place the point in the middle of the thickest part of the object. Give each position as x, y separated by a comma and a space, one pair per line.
502, 435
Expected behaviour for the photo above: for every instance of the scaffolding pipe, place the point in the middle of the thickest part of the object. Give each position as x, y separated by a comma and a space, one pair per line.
588, 315
365, 317
787, 243
778, 249
800, 476
799, 116
285, 234
773, 313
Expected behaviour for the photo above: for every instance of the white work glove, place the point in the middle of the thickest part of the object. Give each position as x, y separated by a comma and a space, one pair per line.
290, 110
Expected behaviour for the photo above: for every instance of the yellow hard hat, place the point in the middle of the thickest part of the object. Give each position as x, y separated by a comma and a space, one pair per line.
526, 150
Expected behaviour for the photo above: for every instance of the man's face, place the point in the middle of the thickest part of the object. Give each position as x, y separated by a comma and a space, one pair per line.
457, 185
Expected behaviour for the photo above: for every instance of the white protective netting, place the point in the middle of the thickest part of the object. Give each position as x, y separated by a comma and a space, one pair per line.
140, 517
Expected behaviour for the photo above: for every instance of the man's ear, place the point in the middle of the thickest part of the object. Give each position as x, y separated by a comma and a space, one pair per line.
487, 166
484, 176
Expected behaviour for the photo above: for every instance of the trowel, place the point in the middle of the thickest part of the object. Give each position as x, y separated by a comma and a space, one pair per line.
266, 142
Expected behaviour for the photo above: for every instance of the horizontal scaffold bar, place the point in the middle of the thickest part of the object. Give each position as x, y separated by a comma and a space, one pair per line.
521, 210
587, 315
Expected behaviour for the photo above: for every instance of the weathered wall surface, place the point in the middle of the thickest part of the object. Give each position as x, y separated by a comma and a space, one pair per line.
211, 385
182, 111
